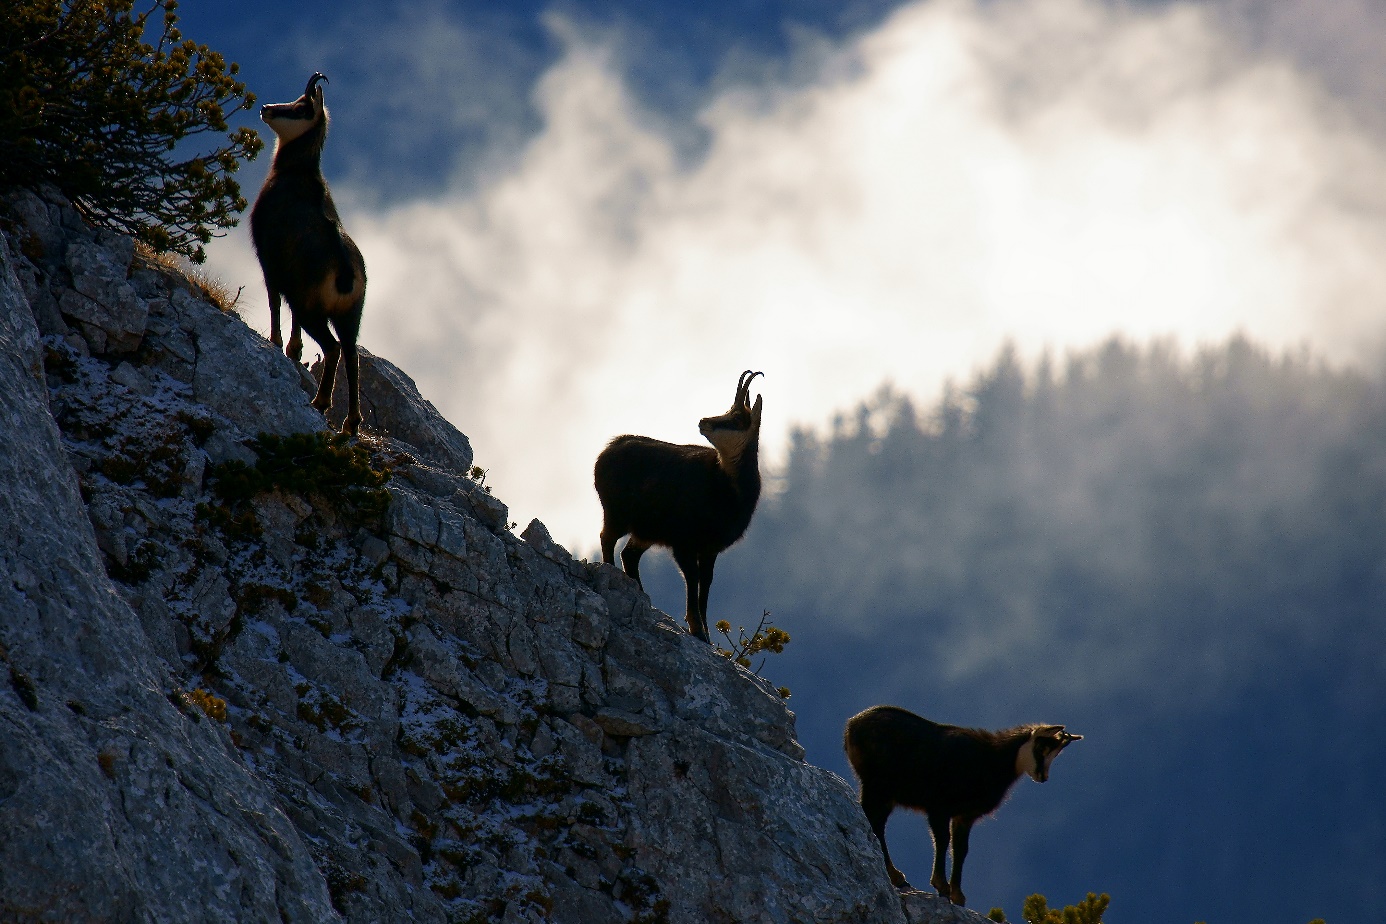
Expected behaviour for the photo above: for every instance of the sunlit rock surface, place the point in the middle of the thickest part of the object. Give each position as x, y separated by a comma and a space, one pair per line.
427, 717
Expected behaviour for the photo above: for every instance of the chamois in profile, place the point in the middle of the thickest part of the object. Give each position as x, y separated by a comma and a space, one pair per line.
694, 500
949, 773
307, 258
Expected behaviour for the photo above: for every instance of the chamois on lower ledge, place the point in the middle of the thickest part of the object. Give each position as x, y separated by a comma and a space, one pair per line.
953, 775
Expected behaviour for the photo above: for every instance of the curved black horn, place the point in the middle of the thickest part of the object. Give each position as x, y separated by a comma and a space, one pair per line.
313, 83
743, 385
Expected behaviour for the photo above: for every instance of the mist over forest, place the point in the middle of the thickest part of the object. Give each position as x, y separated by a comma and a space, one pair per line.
1181, 557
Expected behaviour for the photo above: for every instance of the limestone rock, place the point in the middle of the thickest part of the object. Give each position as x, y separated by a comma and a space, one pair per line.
290, 707
391, 405
111, 315
240, 375
929, 908
107, 791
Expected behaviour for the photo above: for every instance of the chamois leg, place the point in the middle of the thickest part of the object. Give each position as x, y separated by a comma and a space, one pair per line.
962, 828
331, 354
347, 332
276, 302
688, 564
295, 348
630, 557
353, 370
706, 561
611, 534
939, 880
877, 812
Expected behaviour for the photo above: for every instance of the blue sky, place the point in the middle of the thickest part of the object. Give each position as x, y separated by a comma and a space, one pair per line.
587, 219
473, 65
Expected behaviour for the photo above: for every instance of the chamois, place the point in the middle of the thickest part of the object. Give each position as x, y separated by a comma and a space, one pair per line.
694, 500
951, 774
305, 255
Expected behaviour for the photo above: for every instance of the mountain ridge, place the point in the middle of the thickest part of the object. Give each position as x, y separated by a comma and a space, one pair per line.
284, 706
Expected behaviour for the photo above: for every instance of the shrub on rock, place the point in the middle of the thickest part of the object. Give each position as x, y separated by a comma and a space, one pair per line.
90, 106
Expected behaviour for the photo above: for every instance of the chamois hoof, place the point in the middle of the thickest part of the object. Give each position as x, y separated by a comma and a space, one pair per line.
957, 897
898, 880
321, 403
350, 426
295, 350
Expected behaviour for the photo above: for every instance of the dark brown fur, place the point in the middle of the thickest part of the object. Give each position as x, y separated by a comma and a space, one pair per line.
690, 499
307, 258
953, 775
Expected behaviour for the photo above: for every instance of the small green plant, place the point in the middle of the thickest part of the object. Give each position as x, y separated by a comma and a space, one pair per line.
341, 882
234, 524
641, 891
767, 639
478, 474
322, 710
326, 466
139, 563
1088, 911
214, 706
997, 915
301, 463
155, 456
24, 688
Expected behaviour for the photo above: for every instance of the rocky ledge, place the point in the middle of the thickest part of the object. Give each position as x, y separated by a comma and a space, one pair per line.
301, 701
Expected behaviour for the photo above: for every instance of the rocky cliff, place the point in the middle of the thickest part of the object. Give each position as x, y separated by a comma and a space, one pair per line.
253, 673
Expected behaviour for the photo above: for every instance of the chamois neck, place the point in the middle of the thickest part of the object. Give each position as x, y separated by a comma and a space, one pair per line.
742, 465
303, 153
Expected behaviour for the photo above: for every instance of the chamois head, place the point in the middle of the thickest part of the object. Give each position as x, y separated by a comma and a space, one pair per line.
290, 120
1037, 753
732, 432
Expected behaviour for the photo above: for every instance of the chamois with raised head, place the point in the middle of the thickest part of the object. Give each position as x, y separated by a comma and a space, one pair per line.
694, 500
306, 256
953, 775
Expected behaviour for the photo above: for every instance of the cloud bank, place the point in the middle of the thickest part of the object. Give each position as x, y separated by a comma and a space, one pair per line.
964, 175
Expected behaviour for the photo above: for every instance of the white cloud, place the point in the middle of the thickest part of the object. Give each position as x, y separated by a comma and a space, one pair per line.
966, 173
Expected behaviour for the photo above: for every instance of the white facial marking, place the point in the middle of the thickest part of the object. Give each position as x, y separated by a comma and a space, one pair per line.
1025, 760
730, 444
287, 129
